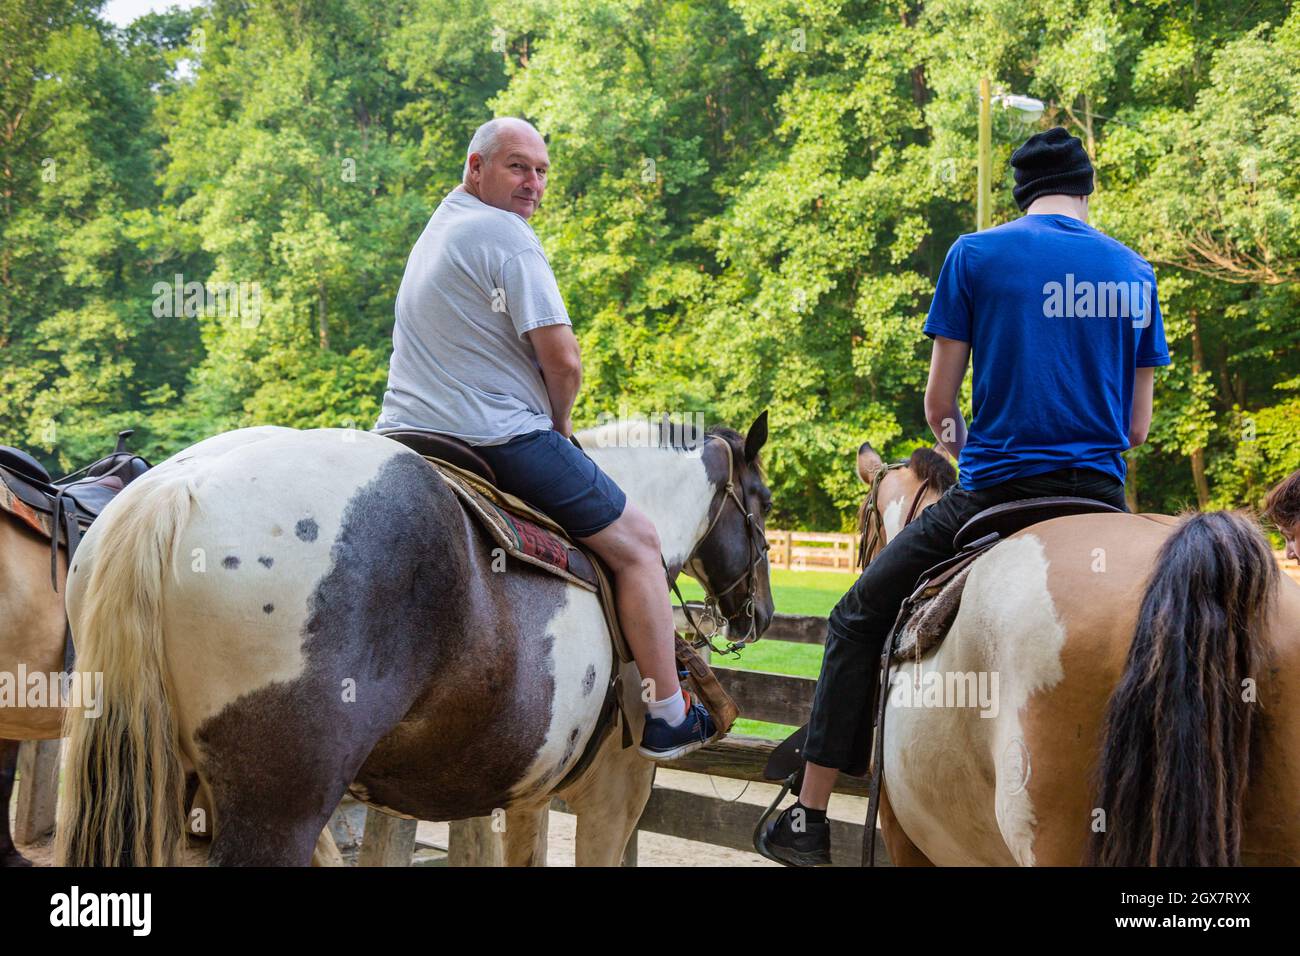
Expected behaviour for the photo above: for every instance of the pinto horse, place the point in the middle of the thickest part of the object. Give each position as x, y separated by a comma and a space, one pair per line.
1144, 708
297, 614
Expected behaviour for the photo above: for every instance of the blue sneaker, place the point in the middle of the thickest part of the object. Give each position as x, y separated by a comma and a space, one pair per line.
662, 742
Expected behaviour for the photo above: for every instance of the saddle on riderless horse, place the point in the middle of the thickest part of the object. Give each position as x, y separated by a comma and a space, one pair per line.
923, 621
62, 509
529, 535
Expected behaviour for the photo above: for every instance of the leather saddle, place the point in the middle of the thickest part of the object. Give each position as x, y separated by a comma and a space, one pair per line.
928, 614
522, 530
64, 507
429, 444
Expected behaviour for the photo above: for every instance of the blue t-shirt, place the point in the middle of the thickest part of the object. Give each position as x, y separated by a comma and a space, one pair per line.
1059, 317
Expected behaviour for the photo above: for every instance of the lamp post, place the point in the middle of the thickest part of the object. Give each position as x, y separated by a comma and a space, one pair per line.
984, 198
1032, 108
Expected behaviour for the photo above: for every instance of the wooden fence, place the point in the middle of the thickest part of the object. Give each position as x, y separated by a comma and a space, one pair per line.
812, 550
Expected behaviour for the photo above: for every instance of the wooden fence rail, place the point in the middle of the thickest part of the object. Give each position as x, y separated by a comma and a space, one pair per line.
812, 550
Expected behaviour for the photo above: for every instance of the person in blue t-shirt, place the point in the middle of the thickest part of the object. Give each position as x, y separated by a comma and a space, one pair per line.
1063, 327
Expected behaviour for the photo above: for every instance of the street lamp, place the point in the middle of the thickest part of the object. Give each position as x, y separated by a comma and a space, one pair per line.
1032, 109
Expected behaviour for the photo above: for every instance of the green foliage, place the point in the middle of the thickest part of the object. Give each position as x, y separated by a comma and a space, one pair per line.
749, 204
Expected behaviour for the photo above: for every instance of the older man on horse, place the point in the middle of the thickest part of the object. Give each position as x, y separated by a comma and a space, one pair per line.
1064, 329
484, 351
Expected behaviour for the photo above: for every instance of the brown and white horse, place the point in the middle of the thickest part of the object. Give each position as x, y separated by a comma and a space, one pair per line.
300, 613
1116, 689
32, 643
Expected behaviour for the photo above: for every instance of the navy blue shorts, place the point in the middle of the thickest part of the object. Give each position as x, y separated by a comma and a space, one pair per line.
551, 473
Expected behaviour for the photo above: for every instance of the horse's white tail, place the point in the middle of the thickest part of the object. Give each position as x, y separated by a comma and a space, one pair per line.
123, 800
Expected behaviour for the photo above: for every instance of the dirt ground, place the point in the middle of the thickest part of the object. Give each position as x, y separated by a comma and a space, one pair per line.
653, 849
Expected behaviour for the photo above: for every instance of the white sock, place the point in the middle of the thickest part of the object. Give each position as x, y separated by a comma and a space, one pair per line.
671, 709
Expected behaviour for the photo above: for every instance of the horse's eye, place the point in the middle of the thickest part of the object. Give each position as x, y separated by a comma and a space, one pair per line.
767, 507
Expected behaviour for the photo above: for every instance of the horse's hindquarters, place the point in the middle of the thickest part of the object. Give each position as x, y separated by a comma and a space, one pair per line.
988, 756
346, 623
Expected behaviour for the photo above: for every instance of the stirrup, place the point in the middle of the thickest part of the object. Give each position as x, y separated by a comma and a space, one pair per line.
791, 782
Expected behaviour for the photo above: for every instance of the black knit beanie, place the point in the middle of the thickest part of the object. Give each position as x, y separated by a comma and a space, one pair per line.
1051, 162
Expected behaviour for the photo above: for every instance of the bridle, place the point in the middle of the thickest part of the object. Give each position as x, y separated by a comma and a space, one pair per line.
756, 540
872, 527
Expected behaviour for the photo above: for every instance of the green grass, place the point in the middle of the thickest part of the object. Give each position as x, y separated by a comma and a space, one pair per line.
811, 593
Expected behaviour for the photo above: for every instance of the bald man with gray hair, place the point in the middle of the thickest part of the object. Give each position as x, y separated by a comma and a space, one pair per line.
484, 351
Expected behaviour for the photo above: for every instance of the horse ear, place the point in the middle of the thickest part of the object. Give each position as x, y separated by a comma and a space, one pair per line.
869, 463
757, 436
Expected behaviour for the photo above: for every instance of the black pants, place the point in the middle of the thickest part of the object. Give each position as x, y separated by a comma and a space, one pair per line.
839, 730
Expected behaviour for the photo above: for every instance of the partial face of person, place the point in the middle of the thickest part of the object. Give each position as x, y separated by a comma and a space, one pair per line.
1289, 536
515, 177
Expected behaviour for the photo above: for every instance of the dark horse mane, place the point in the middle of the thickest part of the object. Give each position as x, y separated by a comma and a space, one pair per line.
928, 465
684, 436
737, 442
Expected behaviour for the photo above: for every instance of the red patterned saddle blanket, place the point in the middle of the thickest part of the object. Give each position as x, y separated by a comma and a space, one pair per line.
528, 535
520, 529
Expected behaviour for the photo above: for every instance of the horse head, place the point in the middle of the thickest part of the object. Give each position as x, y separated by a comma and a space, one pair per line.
730, 559
899, 492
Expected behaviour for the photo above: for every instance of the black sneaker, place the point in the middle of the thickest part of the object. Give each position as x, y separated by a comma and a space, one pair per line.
794, 840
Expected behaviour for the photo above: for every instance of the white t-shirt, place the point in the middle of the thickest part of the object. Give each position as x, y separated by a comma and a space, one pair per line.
476, 281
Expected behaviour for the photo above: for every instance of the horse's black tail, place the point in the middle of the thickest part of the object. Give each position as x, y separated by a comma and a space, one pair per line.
1175, 756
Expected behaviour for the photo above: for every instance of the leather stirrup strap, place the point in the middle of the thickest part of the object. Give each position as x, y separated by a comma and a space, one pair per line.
877, 743
65, 507
69, 652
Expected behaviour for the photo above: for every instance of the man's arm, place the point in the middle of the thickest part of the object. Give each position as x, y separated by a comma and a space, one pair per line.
947, 368
557, 353
1144, 387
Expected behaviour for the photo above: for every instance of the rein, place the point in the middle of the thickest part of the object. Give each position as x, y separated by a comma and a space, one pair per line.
756, 542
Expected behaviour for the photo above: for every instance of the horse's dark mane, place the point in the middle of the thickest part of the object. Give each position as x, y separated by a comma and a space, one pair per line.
737, 442
928, 465
687, 436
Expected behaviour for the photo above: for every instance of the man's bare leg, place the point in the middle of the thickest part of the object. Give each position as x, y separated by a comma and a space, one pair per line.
630, 547
818, 782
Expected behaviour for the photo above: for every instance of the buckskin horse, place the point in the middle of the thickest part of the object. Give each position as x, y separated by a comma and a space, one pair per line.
1148, 704
300, 613
899, 492
38, 516
32, 640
